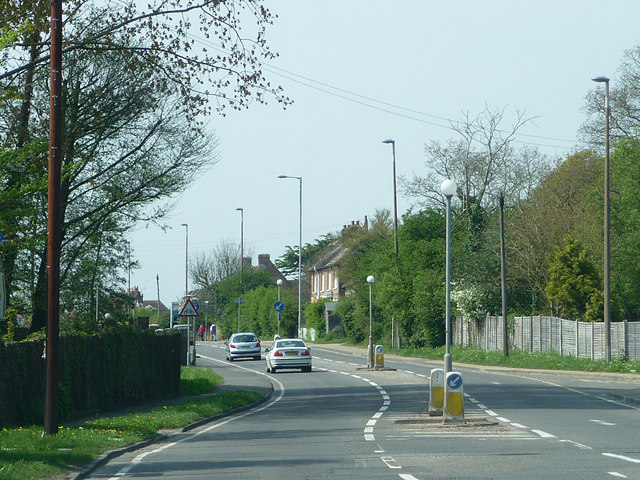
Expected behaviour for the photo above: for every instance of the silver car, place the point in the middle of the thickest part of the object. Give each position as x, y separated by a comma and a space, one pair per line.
243, 345
288, 353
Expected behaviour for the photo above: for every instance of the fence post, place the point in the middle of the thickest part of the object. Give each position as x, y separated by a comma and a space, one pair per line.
577, 338
625, 333
561, 322
531, 333
593, 354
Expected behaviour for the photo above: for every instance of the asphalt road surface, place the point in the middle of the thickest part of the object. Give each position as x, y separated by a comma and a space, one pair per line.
345, 422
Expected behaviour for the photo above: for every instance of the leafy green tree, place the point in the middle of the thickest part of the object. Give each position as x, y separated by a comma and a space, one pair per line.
573, 280
625, 230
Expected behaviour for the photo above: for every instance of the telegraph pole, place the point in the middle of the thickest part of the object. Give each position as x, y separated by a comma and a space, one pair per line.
53, 222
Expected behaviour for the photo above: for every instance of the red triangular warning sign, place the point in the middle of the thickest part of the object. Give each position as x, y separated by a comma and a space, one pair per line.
188, 310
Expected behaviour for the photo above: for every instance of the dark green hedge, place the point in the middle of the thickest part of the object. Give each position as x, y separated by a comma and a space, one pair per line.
97, 373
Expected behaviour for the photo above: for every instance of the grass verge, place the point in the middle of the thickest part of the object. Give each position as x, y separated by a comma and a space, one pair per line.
26, 455
517, 359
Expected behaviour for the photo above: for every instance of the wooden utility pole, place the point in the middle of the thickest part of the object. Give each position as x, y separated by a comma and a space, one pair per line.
53, 222
503, 275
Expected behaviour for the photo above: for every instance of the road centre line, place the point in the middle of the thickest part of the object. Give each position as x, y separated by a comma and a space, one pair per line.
616, 474
390, 462
581, 446
139, 458
405, 476
543, 434
622, 457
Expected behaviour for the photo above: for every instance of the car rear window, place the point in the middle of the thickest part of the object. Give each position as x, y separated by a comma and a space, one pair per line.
290, 343
245, 338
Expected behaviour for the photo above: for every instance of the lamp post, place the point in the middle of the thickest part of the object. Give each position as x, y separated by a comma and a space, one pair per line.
607, 246
448, 188
241, 248
299, 257
279, 283
186, 260
395, 197
370, 281
395, 221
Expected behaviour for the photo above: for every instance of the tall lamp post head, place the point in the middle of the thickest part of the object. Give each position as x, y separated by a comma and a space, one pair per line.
279, 282
601, 79
388, 141
370, 279
448, 187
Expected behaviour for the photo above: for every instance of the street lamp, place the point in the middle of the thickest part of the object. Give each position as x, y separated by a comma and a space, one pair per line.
241, 248
279, 283
186, 260
395, 197
448, 188
607, 247
395, 221
299, 257
370, 281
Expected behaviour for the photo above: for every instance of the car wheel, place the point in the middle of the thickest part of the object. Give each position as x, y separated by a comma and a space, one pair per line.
231, 359
257, 358
273, 370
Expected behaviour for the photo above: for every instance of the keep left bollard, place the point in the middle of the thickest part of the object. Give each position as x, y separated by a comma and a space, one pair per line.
379, 356
436, 392
453, 399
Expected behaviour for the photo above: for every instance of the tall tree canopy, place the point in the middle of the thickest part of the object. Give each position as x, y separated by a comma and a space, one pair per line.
137, 85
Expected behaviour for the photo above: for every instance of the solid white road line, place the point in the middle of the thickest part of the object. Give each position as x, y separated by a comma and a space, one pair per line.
138, 459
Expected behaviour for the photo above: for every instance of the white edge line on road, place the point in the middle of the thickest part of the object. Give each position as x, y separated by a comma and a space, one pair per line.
138, 459
406, 476
543, 434
616, 474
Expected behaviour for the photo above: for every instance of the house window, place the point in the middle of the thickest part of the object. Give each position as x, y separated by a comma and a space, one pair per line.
329, 283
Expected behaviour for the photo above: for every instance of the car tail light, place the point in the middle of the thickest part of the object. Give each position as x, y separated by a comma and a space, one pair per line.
306, 353
258, 345
231, 345
278, 353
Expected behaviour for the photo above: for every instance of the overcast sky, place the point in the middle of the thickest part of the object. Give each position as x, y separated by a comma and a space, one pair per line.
361, 71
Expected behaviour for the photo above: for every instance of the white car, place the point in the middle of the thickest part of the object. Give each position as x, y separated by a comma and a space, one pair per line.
288, 353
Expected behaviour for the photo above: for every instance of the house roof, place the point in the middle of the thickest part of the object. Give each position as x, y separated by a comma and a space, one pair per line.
154, 304
329, 259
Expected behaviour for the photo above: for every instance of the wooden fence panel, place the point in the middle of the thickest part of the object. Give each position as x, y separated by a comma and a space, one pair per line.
536, 333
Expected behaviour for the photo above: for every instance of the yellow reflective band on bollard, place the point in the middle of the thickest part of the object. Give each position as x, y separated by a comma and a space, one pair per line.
454, 404
437, 397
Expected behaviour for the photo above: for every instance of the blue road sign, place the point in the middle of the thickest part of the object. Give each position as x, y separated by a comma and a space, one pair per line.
278, 306
196, 305
1, 237
454, 380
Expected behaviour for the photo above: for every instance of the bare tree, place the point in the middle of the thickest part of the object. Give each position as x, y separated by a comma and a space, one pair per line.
624, 103
207, 269
482, 161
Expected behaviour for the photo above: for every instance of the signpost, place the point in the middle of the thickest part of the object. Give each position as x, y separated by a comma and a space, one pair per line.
189, 311
278, 307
